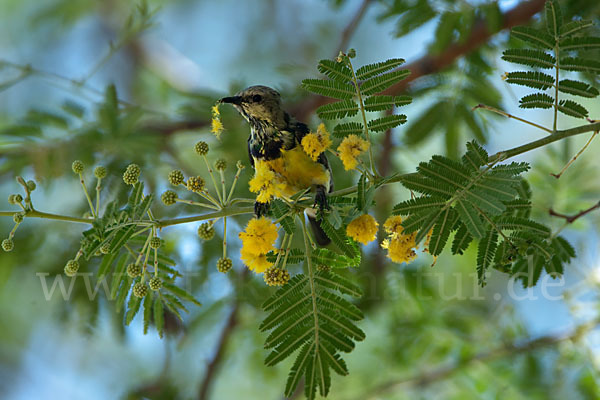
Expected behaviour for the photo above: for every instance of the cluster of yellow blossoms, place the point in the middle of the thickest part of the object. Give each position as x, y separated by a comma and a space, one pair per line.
350, 149
257, 240
363, 229
216, 124
266, 183
316, 143
400, 246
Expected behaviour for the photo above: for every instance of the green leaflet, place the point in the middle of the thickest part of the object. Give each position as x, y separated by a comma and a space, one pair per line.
577, 88
381, 82
335, 70
371, 70
533, 36
573, 109
329, 88
536, 100
536, 80
529, 57
554, 17
388, 122
348, 128
341, 109
382, 103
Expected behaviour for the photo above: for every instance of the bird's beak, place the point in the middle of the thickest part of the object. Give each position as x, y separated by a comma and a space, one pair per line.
237, 100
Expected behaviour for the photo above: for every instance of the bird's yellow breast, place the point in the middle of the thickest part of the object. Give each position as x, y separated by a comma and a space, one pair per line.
299, 171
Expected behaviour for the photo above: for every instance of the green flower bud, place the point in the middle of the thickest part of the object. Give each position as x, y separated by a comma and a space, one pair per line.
351, 53
18, 198
201, 148
240, 165
168, 197
195, 184
206, 231
131, 174
140, 290
176, 177
72, 267
155, 283
276, 276
224, 265
77, 166
155, 242
221, 164
31, 186
18, 217
323, 267
134, 270
100, 172
12, 199
8, 245
105, 248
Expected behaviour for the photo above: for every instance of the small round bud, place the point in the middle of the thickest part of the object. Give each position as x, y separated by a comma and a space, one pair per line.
155, 242
221, 164
77, 166
240, 165
323, 267
72, 267
100, 172
105, 248
31, 186
276, 276
155, 283
134, 270
201, 148
168, 197
176, 177
351, 53
18, 218
18, 198
195, 184
206, 231
140, 290
224, 265
131, 174
8, 245
12, 199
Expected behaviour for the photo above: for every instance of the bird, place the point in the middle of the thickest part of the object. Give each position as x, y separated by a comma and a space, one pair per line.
275, 134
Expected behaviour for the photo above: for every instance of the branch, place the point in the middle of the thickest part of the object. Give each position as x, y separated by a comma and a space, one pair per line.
351, 27
443, 372
572, 218
214, 363
430, 64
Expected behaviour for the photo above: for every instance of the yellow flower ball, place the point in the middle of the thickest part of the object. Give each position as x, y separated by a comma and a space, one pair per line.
363, 229
350, 149
316, 143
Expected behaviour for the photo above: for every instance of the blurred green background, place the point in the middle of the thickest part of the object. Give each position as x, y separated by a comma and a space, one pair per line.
431, 332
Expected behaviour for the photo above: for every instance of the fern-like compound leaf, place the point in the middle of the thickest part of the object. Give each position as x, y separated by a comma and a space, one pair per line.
388, 122
554, 18
577, 88
384, 102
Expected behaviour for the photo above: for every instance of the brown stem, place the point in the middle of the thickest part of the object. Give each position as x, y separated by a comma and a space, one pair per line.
572, 218
215, 362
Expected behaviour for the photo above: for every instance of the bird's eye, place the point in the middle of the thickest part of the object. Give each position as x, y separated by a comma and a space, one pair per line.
256, 98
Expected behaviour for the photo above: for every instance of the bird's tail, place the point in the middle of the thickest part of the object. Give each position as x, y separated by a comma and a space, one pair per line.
318, 232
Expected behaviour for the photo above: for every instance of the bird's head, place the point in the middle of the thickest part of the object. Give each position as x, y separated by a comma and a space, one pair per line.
259, 104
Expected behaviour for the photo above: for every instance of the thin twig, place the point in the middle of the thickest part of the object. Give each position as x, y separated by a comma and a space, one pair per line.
498, 111
572, 218
557, 176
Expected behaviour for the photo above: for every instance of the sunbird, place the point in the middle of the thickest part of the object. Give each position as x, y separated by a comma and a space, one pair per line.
275, 135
